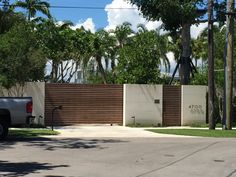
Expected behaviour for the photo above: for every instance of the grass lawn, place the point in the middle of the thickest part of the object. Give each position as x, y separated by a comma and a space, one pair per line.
197, 132
204, 125
30, 132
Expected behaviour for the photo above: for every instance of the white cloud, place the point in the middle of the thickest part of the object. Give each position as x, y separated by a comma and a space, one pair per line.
87, 24
59, 23
117, 16
150, 25
197, 29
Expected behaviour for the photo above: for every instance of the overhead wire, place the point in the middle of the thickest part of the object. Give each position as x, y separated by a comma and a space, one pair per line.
81, 7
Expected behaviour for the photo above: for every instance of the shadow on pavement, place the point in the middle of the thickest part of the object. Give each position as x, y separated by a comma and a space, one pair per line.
51, 144
23, 168
6, 144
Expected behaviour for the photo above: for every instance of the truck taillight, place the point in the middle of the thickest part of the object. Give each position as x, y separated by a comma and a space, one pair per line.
29, 107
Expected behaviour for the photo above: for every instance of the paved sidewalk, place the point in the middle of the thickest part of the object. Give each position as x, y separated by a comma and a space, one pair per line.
106, 131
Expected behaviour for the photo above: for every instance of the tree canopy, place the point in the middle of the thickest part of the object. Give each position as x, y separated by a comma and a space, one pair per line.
21, 58
32, 6
173, 13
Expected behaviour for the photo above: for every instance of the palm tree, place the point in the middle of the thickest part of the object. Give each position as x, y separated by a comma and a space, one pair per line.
99, 51
32, 6
122, 33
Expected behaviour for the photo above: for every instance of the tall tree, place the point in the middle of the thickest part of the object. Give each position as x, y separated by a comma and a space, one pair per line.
57, 42
141, 59
122, 33
229, 65
8, 18
175, 15
211, 86
21, 58
34, 6
200, 50
100, 48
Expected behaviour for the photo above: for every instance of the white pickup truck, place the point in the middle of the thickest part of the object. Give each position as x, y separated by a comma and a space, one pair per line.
14, 112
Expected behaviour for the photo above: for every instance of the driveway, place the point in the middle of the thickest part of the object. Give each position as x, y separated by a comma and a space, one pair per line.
106, 131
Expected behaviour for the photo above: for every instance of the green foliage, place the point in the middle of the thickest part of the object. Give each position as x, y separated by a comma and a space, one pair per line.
220, 9
60, 44
173, 13
9, 19
102, 48
140, 60
21, 59
200, 51
54, 39
200, 78
32, 6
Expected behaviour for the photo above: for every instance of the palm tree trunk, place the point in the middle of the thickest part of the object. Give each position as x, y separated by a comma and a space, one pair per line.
184, 71
229, 66
101, 69
28, 16
54, 72
211, 86
62, 72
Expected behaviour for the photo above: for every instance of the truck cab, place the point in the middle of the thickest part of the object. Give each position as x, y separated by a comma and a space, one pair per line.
14, 112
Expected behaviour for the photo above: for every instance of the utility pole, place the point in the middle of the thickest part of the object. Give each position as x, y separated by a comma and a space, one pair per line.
228, 96
211, 87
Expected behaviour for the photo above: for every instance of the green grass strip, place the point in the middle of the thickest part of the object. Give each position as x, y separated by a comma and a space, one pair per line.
27, 133
197, 132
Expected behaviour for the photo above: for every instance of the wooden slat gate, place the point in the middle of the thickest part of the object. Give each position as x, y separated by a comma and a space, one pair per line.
171, 105
84, 104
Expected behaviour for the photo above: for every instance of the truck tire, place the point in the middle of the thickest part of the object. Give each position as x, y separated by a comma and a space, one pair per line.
3, 129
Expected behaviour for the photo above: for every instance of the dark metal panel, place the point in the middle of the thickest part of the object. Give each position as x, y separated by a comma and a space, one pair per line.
84, 104
171, 105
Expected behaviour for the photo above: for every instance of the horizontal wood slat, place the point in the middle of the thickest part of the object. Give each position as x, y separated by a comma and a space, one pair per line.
84, 104
171, 105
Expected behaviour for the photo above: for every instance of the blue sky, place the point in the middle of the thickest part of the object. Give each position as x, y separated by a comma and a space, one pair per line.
99, 16
106, 17
76, 15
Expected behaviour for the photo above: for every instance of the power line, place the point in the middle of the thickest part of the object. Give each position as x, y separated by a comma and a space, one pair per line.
89, 7
81, 7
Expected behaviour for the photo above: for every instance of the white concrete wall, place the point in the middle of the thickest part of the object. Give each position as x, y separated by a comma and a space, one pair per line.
36, 90
193, 101
139, 102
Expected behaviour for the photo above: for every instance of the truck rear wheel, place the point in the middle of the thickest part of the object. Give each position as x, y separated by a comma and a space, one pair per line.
3, 129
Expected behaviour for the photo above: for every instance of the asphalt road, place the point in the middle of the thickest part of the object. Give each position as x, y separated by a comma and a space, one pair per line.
116, 157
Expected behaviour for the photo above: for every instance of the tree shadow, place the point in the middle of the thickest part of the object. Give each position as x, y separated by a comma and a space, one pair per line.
51, 144
10, 169
75, 143
6, 144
